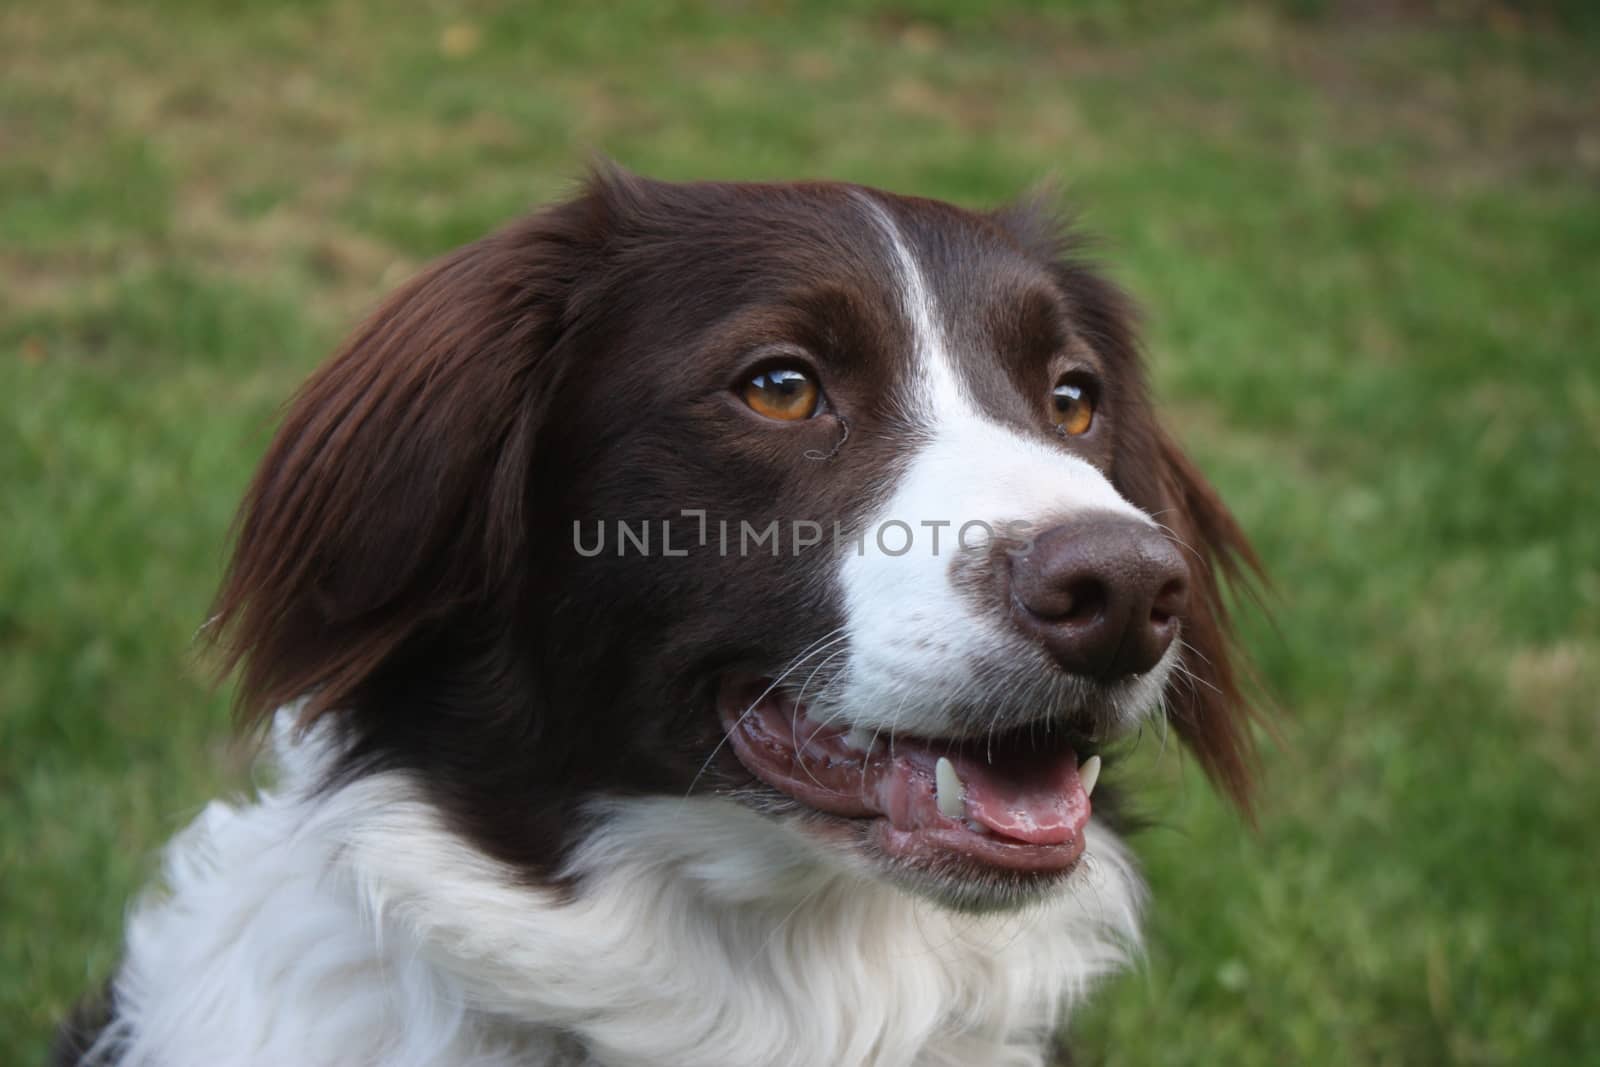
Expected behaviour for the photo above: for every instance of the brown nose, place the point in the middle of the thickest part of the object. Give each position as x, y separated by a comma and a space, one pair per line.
1103, 593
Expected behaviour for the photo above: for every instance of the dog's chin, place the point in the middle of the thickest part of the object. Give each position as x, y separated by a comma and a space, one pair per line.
954, 882
987, 823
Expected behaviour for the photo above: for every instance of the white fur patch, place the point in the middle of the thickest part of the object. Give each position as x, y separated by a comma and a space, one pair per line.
354, 928
917, 646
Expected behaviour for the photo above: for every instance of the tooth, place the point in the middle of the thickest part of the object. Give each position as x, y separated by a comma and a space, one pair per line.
1089, 774
860, 738
948, 790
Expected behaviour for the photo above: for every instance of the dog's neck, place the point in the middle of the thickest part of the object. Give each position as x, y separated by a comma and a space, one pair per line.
352, 927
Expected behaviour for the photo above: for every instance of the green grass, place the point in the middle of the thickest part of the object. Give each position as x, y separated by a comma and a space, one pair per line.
1370, 251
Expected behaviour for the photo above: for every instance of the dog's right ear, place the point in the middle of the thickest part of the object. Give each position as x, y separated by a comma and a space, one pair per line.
394, 496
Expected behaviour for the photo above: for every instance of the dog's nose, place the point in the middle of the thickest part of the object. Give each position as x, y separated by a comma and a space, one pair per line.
1104, 593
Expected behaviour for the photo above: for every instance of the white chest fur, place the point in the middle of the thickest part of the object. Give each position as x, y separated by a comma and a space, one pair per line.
354, 928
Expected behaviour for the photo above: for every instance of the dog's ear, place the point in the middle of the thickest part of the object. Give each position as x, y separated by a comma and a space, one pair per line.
394, 495
1206, 702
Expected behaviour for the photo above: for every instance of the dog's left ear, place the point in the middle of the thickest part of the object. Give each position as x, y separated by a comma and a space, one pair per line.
1205, 702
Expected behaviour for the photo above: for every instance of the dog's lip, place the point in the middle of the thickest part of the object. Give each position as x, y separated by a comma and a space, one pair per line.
1015, 808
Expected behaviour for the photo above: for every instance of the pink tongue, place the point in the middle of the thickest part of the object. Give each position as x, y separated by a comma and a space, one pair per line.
1033, 798
1041, 802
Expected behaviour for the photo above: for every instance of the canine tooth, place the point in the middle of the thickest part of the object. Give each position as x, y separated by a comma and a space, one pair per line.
948, 790
1089, 774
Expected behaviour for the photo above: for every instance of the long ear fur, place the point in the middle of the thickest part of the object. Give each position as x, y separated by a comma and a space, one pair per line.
1207, 704
394, 494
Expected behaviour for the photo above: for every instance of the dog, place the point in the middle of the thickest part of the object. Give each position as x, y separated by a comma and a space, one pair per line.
690, 623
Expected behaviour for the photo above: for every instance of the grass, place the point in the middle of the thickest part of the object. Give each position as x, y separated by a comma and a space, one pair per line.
1370, 250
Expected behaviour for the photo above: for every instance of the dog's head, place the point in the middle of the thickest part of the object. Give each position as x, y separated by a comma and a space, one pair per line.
846, 507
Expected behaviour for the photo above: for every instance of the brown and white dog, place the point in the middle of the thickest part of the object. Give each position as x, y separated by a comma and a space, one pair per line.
694, 615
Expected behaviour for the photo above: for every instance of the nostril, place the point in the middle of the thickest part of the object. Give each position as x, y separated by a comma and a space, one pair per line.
1169, 601
1086, 599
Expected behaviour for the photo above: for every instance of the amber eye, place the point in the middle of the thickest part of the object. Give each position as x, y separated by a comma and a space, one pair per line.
1072, 408
785, 393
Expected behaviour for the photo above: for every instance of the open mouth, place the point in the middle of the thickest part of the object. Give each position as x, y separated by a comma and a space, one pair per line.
1009, 802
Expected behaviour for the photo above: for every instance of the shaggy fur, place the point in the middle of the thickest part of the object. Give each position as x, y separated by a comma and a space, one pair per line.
506, 826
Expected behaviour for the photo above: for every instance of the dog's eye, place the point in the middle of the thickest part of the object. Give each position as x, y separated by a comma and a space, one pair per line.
1072, 408
786, 393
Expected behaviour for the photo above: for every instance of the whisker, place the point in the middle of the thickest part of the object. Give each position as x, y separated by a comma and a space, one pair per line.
1187, 647
794, 720
1180, 542
877, 731
826, 641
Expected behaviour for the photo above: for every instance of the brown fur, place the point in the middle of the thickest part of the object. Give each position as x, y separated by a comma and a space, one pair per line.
402, 554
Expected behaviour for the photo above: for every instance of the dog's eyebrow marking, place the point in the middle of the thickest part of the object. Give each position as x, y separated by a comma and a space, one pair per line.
938, 387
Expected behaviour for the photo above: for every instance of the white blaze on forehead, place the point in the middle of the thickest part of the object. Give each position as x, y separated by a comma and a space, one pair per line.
919, 646
936, 384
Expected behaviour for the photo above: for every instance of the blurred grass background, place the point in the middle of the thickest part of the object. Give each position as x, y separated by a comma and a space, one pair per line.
1368, 237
